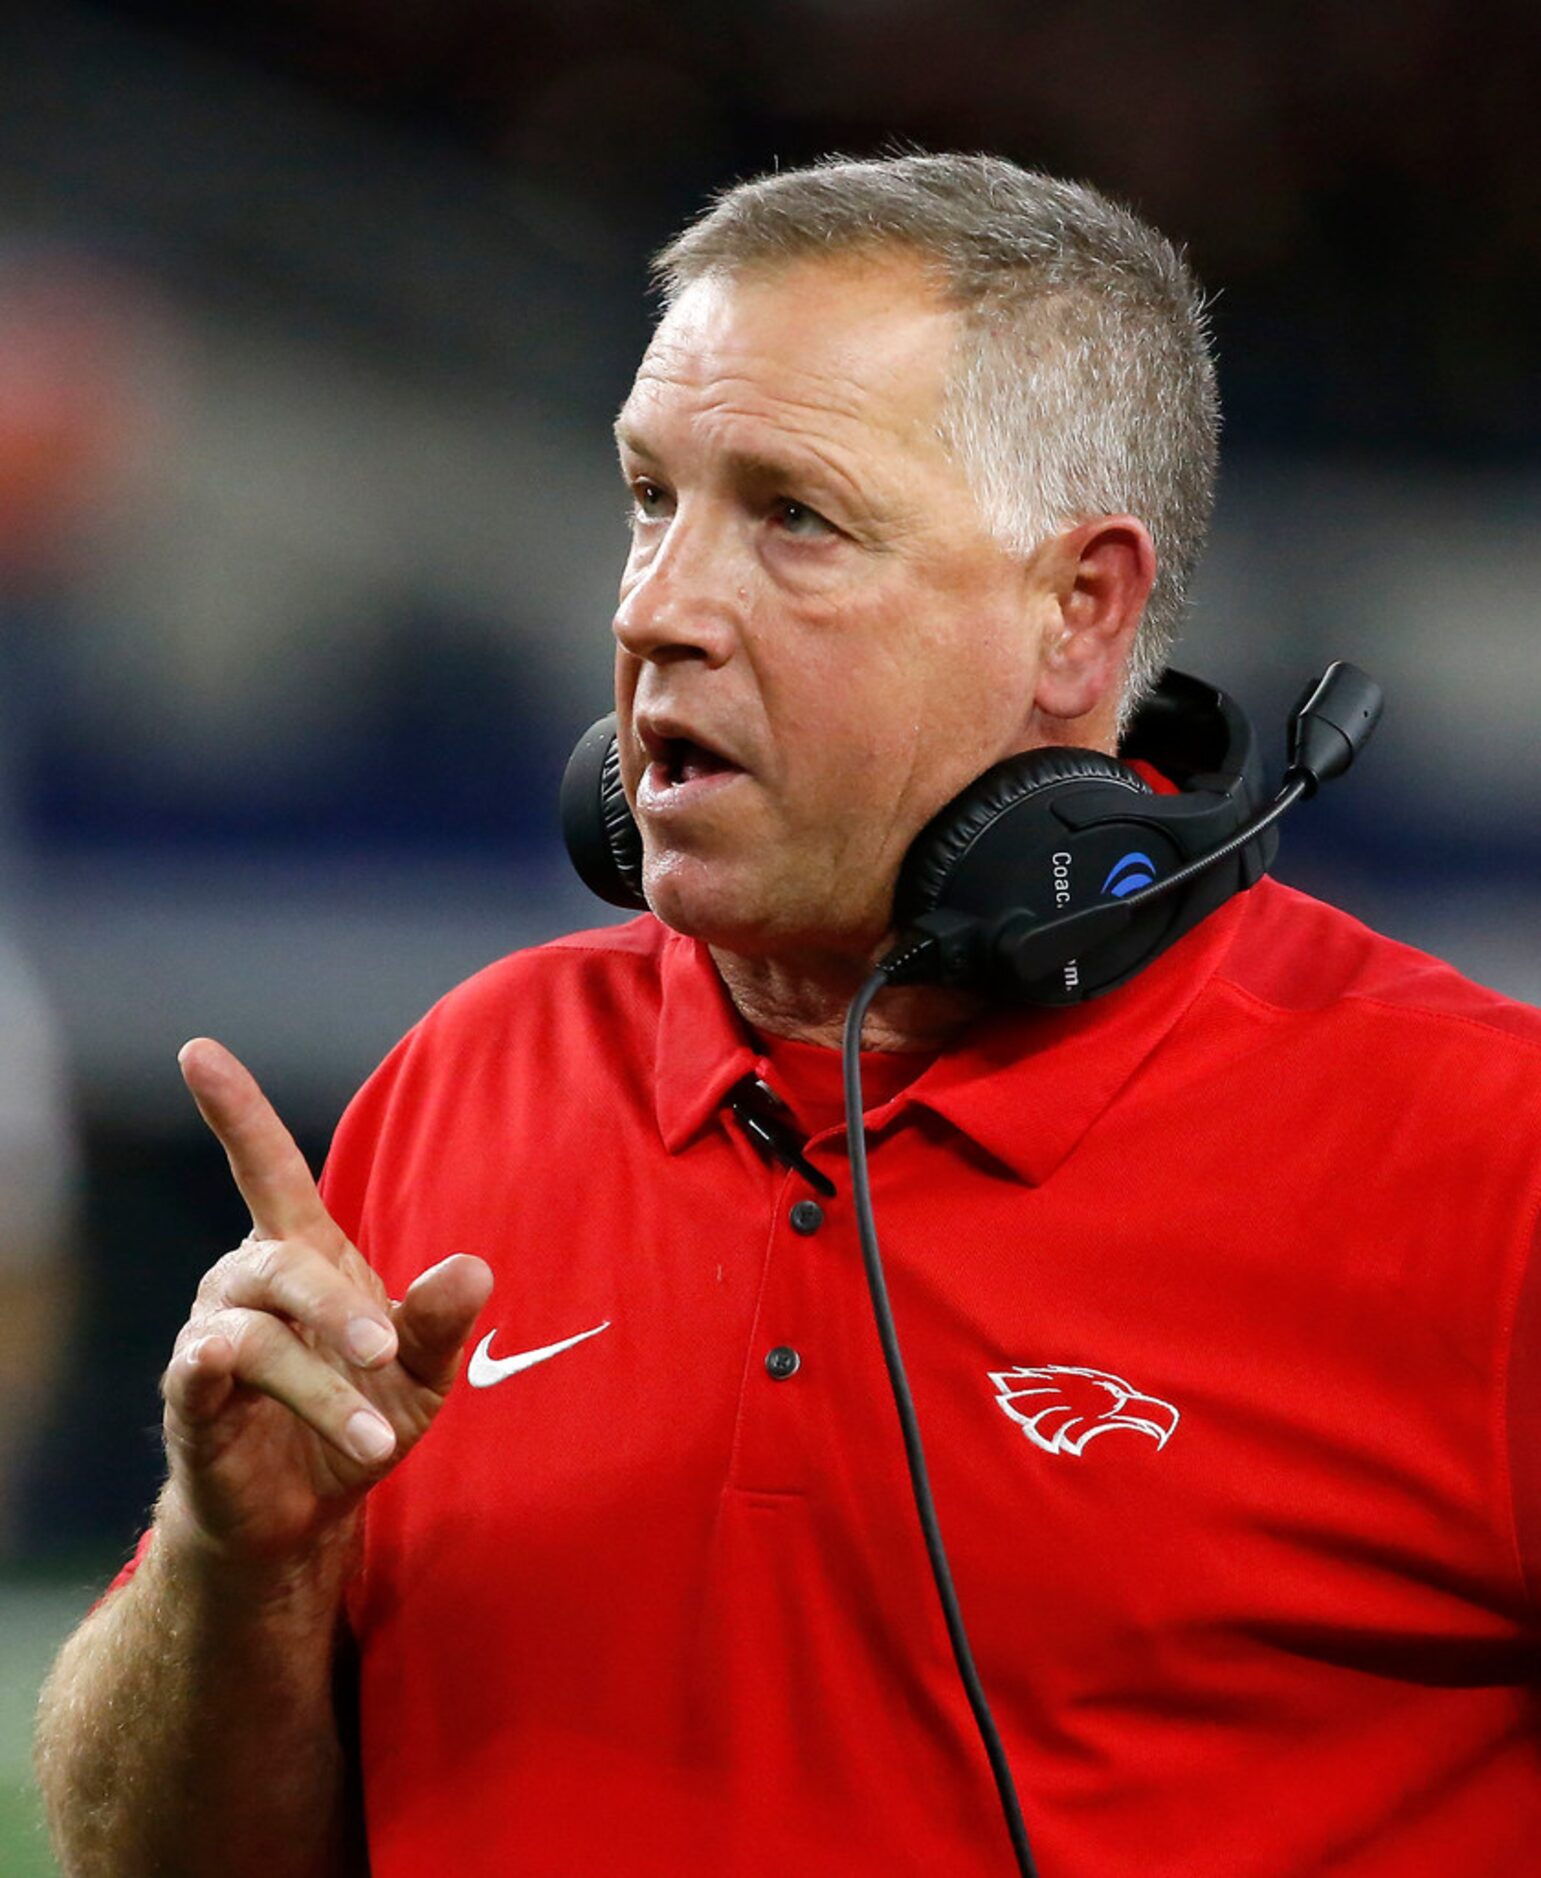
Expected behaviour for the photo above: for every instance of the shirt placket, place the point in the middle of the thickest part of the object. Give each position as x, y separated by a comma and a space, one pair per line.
790, 1366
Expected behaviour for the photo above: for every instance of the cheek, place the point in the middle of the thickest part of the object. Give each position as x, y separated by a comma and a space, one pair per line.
895, 700
888, 709
845, 730
979, 692
893, 750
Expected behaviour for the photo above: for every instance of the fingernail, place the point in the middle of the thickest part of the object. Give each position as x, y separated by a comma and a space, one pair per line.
368, 1340
370, 1437
193, 1354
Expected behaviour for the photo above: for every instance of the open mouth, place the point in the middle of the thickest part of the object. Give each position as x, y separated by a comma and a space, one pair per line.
681, 760
678, 766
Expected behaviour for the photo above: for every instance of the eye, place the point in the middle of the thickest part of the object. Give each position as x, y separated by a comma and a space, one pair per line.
796, 518
649, 501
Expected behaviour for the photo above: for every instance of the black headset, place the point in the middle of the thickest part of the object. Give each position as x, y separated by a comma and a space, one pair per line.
1059, 873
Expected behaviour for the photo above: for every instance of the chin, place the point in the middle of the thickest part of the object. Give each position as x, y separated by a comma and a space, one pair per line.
750, 915
698, 902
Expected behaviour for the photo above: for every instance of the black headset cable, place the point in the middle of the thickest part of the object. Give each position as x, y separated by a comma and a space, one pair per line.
920, 1483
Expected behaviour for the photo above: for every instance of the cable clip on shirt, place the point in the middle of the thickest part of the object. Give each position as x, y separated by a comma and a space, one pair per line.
763, 1117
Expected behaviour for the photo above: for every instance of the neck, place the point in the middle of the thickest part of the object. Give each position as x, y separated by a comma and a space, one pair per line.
806, 998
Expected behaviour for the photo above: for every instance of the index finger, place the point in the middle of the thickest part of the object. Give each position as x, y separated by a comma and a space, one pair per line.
269, 1169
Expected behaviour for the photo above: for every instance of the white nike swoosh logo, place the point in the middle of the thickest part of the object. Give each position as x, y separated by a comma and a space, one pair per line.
485, 1369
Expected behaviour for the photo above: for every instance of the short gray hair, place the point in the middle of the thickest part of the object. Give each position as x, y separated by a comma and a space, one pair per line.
1084, 384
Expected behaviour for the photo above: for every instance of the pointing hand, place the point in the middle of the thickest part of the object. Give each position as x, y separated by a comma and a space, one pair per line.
296, 1382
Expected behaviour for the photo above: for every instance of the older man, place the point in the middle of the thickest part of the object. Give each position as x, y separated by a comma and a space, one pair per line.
915, 448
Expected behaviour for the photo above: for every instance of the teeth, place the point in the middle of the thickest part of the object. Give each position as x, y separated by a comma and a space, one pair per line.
682, 761
689, 762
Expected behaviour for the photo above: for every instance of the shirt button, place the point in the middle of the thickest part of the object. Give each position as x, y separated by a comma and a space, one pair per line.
807, 1217
782, 1362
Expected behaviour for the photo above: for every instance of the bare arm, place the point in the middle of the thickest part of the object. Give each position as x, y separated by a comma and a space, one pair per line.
189, 1726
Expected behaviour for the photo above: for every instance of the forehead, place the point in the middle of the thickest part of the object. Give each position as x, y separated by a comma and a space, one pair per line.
843, 350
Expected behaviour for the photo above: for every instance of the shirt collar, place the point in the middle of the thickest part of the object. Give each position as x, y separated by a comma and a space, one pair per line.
1025, 1085
1028, 1085
703, 1046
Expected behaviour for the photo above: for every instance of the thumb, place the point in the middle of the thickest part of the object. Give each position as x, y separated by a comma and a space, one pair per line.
435, 1317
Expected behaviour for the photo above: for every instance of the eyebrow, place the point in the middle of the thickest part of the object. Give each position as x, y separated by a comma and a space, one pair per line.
754, 469
628, 439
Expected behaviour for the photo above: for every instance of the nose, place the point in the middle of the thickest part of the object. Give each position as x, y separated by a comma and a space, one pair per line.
684, 600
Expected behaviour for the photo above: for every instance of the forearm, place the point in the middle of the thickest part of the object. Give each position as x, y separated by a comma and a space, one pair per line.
189, 1726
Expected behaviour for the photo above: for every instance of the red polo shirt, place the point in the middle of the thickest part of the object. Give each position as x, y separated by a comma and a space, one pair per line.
1209, 1293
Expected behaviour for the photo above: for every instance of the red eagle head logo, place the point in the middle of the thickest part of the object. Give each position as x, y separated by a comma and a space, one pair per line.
1061, 1409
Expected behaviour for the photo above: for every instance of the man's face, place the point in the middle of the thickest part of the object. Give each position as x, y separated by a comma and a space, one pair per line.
818, 641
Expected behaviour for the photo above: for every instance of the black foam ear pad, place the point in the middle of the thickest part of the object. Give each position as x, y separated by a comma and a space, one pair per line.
944, 845
603, 841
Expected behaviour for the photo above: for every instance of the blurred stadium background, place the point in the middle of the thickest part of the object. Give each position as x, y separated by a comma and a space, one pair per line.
313, 317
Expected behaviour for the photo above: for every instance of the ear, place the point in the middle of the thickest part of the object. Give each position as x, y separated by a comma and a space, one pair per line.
1101, 574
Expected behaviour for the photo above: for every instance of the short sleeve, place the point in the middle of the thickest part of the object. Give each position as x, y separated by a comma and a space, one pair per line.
132, 1566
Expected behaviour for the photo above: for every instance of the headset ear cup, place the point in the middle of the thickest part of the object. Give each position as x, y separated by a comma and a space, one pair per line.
941, 848
603, 841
